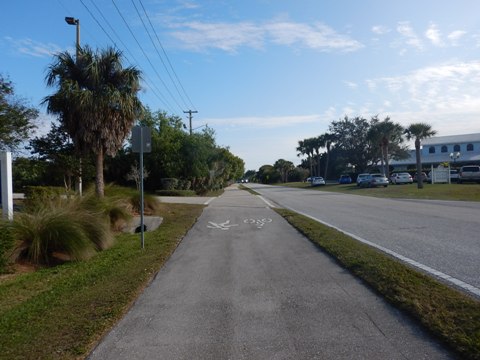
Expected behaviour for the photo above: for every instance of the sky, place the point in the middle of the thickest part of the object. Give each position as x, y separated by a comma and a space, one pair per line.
264, 74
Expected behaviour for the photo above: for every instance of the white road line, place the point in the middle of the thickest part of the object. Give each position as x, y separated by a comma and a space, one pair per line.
467, 287
209, 201
269, 204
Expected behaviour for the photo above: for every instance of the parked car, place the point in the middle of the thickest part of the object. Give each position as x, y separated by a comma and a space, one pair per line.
401, 178
345, 179
362, 178
454, 175
423, 175
317, 181
377, 180
469, 173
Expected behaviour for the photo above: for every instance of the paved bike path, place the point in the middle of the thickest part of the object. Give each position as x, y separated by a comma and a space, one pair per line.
243, 284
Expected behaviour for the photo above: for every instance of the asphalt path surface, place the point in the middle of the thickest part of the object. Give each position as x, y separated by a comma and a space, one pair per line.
443, 235
243, 284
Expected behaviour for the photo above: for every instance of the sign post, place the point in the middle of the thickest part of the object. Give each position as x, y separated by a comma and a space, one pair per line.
6, 184
141, 143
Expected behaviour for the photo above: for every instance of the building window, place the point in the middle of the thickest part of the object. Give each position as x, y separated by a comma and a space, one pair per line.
470, 147
456, 148
431, 150
444, 149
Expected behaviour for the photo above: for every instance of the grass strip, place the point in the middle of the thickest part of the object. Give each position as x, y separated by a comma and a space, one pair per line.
61, 312
450, 315
455, 192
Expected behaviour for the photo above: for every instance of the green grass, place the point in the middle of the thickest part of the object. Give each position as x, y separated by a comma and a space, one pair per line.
61, 312
450, 315
465, 192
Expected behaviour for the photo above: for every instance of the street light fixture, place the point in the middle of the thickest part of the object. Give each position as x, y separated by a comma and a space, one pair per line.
454, 156
72, 21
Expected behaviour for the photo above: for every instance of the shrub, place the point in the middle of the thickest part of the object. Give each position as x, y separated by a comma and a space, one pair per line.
116, 208
169, 183
36, 195
73, 228
175, 193
150, 203
6, 244
184, 184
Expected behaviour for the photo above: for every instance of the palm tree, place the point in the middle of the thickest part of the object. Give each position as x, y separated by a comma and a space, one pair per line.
326, 140
284, 167
384, 134
305, 147
419, 131
96, 100
317, 144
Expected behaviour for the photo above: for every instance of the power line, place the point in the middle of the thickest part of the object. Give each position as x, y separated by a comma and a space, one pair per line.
153, 87
145, 54
166, 56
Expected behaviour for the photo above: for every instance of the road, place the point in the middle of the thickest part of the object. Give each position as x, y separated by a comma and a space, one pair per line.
243, 284
440, 235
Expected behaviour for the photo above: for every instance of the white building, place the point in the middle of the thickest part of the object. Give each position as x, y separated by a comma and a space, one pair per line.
457, 150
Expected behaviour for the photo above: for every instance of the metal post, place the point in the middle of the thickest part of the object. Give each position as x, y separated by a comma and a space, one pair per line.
76, 22
7, 187
142, 236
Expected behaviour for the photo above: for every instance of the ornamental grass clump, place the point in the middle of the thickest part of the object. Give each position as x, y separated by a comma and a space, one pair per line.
63, 229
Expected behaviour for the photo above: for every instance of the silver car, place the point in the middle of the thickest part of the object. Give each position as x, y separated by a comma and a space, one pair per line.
377, 180
361, 178
401, 178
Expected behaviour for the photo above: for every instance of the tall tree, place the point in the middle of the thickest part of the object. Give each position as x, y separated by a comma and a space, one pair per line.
350, 137
326, 140
387, 135
284, 167
56, 148
96, 100
317, 144
306, 147
16, 118
419, 132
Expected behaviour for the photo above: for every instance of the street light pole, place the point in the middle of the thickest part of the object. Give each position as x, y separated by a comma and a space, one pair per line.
72, 21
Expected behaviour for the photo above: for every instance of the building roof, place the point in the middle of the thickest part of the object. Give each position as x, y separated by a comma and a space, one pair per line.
452, 139
437, 158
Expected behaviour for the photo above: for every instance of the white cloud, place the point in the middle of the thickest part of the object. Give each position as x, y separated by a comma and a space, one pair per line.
351, 85
228, 37
433, 34
380, 29
33, 48
456, 36
410, 36
318, 36
264, 122
434, 92
200, 36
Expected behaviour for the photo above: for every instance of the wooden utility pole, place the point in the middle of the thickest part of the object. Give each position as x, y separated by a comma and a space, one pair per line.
190, 112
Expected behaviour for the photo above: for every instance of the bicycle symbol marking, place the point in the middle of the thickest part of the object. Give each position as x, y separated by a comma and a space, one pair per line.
222, 226
258, 222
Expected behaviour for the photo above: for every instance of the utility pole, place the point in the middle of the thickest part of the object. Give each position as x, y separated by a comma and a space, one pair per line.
190, 112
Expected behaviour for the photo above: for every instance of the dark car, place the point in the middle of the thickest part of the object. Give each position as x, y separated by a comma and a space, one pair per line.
424, 177
345, 179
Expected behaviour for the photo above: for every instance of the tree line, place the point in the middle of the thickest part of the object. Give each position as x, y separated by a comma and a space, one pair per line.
95, 101
351, 145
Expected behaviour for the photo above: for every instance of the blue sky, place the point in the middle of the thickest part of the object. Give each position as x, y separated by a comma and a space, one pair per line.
267, 73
